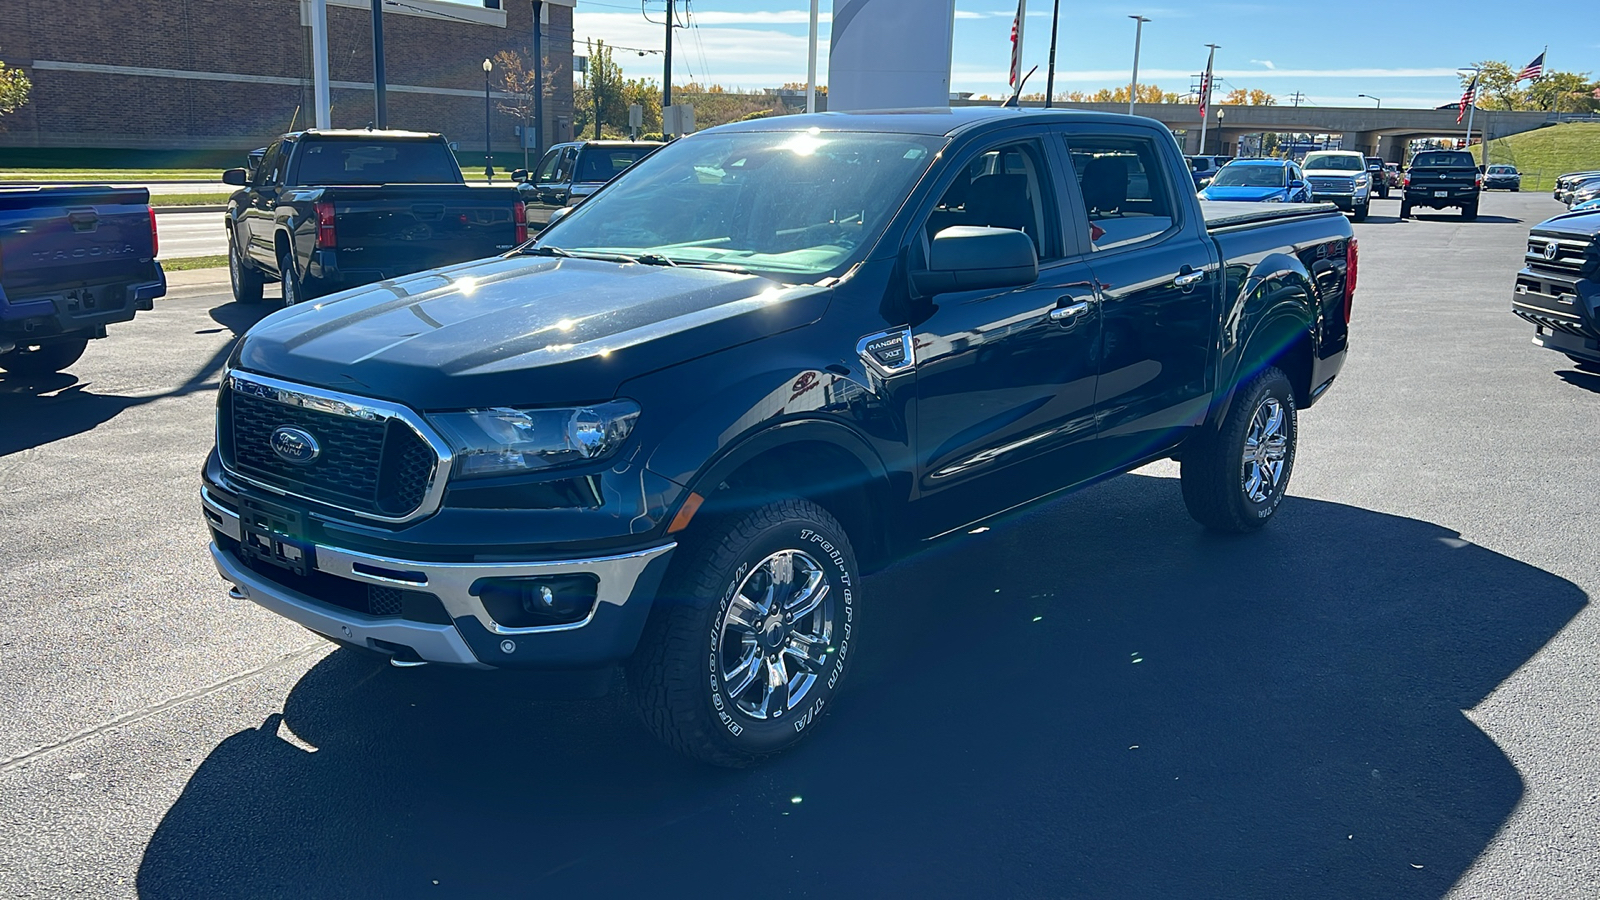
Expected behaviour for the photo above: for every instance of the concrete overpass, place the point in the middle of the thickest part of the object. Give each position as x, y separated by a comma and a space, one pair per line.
1375, 132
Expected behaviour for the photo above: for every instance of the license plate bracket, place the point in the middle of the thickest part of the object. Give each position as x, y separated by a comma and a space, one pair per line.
275, 534
1441, 194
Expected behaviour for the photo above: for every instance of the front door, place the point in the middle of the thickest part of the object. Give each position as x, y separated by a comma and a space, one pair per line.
1004, 379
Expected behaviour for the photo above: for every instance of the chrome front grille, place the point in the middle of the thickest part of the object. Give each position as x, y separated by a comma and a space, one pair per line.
1566, 258
1332, 185
374, 459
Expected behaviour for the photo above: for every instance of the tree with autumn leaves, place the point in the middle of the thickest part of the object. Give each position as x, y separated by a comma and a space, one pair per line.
14, 88
1556, 91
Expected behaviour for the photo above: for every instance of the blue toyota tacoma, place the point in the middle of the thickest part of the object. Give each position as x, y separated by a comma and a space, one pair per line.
675, 431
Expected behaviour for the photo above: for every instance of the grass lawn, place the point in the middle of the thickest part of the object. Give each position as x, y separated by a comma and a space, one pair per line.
189, 199
100, 176
195, 262
1543, 154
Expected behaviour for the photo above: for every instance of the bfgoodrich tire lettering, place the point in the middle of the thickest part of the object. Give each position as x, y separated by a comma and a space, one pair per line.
1234, 479
751, 634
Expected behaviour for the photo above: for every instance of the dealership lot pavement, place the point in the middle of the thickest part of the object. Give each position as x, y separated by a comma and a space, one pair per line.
1391, 692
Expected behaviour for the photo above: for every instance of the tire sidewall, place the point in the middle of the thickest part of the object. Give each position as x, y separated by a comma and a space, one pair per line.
1277, 386
290, 281
824, 543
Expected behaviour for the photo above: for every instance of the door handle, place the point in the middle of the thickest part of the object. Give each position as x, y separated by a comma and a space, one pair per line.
1069, 312
1187, 278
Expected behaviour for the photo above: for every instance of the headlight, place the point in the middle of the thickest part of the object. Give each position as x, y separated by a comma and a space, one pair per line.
506, 441
1278, 199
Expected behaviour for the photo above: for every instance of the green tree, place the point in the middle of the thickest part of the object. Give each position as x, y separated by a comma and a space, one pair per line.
1563, 92
14, 88
1497, 86
516, 79
604, 80
1556, 91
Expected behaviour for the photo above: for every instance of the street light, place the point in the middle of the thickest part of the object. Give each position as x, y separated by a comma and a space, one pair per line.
1221, 144
1133, 84
1378, 100
488, 153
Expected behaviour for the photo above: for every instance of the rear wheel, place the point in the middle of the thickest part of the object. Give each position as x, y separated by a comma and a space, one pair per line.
1405, 210
749, 638
294, 287
1470, 213
43, 359
246, 279
1233, 479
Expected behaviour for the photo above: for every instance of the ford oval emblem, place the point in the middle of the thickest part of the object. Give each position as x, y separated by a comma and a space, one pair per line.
1552, 250
293, 445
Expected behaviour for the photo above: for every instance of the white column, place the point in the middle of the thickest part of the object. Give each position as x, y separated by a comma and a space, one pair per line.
319, 62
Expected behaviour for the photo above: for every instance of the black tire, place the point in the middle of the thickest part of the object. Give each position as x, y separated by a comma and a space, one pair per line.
293, 287
1587, 365
679, 676
246, 279
1516, 190
1359, 214
1469, 213
1405, 210
43, 359
1216, 472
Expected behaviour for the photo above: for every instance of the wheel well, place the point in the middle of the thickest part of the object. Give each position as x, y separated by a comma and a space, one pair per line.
823, 473
1289, 349
280, 243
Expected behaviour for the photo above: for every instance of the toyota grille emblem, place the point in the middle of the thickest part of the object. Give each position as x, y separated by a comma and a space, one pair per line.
1552, 250
293, 445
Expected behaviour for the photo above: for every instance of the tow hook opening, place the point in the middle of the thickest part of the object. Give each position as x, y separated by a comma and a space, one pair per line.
399, 655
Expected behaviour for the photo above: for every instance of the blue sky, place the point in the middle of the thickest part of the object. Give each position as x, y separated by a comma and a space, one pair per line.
1275, 47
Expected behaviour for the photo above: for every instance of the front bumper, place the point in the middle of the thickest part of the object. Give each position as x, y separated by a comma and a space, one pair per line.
1346, 202
467, 635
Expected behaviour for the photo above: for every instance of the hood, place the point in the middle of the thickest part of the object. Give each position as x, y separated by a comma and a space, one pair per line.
1336, 173
1241, 192
1582, 225
519, 330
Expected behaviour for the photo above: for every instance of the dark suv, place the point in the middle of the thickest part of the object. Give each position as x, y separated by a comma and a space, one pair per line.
1441, 179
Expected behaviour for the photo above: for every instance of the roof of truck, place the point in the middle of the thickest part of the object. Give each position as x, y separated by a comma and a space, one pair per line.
929, 121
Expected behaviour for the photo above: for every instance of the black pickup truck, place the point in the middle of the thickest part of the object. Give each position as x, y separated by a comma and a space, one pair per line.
325, 210
73, 260
569, 173
1442, 179
676, 430
1558, 289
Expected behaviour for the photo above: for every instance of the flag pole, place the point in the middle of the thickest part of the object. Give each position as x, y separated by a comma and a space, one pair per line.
1205, 98
1472, 105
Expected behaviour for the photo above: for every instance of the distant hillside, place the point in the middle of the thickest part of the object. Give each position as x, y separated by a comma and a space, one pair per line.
1543, 154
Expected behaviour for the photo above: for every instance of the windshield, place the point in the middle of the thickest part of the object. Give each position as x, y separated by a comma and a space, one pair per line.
1334, 161
1445, 158
777, 203
1502, 170
361, 162
1249, 176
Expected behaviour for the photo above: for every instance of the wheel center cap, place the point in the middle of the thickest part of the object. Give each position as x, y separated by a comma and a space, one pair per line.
773, 631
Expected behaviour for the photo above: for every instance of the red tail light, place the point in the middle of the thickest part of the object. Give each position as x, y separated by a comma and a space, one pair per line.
1480, 179
1405, 180
1352, 255
155, 239
519, 215
327, 236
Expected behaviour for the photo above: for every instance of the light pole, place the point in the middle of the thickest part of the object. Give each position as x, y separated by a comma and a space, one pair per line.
488, 152
1377, 100
1133, 84
1221, 144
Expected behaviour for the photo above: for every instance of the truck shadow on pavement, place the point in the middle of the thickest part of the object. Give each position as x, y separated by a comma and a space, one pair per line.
1095, 699
41, 409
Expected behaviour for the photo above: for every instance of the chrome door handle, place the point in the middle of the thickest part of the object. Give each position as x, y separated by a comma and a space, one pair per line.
1069, 312
1188, 279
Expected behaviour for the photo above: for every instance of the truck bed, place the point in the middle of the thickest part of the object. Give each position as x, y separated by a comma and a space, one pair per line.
1222, 214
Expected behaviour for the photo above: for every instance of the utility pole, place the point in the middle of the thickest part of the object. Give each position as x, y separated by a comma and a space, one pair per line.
1050, 68
1133, 84
379, 97
1297, 97
538, 85
666, 74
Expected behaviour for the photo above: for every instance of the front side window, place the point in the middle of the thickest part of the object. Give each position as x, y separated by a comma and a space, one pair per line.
267, 169
547, 167
778, 203
1001, 188
1124, 188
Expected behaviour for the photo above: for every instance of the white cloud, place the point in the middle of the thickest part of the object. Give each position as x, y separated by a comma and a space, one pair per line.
1264, 62
773, 17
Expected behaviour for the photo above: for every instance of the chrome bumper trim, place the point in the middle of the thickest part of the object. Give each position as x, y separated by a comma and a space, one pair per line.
452, 582
433, 643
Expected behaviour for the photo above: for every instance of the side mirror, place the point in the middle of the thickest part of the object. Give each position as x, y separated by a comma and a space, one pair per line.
1297, 184
558, 215
976, 257
519, 174
235, 177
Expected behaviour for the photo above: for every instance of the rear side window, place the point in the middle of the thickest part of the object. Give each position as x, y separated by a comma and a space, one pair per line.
606, 163
359, 162
1124, 189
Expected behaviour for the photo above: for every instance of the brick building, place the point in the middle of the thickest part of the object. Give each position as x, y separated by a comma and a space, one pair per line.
191, 76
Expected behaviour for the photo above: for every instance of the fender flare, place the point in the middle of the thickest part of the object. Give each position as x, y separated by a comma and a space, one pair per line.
787, 433
1265, 314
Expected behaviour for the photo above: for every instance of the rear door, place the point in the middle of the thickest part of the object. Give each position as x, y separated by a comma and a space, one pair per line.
1004, 379
1158, 286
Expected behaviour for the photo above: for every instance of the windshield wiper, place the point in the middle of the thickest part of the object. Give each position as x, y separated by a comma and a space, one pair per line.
654, 259
547, 250
543, 250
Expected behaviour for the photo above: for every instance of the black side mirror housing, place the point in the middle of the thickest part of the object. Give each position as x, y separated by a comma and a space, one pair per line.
235, 177
977, 257
1297, 184
519, 174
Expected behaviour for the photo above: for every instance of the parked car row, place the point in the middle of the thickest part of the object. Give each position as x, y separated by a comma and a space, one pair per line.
1583, 188
1568, 182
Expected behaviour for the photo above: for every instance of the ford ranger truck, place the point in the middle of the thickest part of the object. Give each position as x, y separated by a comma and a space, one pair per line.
73, 260
676, 431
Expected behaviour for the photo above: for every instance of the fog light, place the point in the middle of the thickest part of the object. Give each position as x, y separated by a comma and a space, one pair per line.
533, 602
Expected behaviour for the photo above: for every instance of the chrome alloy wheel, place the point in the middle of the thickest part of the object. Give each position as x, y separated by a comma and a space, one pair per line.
1266, 445
775, 636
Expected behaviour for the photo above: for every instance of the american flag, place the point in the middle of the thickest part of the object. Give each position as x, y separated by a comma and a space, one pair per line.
1205, 86
1467, 97
1016, 43
1535, 69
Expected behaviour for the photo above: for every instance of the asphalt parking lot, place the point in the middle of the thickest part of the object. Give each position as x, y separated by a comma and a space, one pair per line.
1391, 692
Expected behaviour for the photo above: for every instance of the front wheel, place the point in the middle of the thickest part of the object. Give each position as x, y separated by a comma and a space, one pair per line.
43, 359
1360, 213
1234, 478
750, 635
